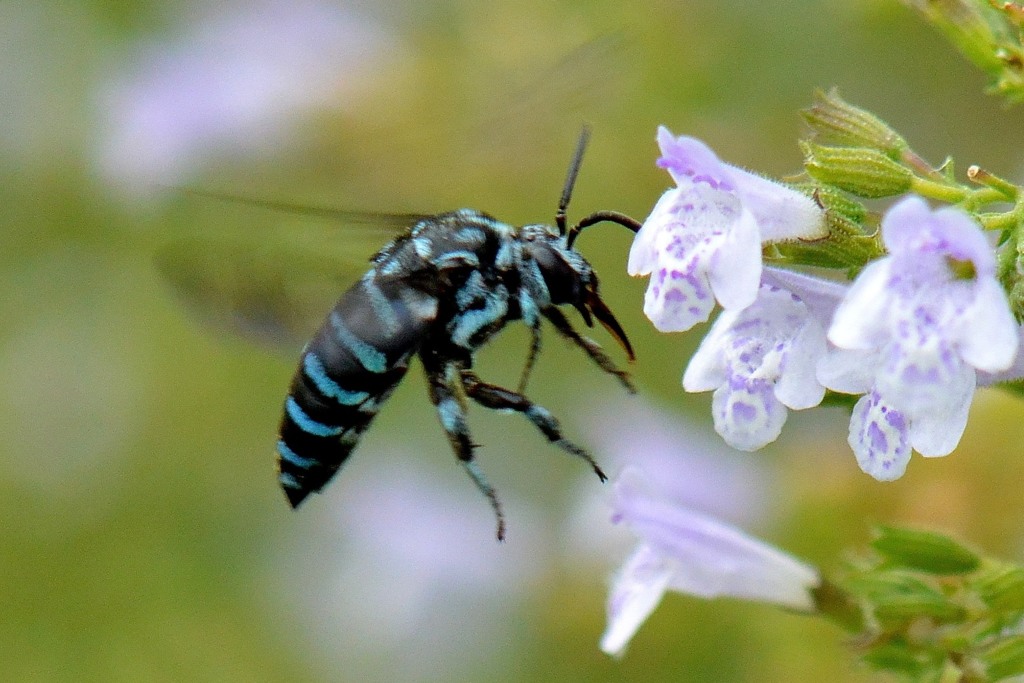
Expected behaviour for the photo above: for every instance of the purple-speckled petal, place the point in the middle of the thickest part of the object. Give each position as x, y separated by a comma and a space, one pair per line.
747, 414
911, 228
689, 160
642, 255
678, 299
879, 438
759, 361
706, 369
702, 241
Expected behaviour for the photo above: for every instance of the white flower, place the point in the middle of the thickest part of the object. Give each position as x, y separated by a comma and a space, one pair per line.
913, 331
688, 552
702, 241
763, 359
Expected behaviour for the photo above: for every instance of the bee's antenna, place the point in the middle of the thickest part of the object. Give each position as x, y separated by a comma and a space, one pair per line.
570, 178
600, 217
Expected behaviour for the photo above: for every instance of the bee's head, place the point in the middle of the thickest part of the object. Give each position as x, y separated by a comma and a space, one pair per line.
570, 279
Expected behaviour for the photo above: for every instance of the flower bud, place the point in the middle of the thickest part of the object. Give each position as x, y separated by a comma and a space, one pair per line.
925, 551
839, 122
903, 607
1004, 659
1001, 587
858, 170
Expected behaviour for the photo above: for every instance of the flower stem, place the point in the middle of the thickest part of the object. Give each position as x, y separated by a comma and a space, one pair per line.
951, 194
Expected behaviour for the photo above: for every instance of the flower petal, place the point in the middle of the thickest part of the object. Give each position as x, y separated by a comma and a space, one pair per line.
901, 224
821, 296
859, 320
678, 299
642, 254
706, 369
782, 213
735, 269
879, 438
747, 414
990, 337
708, 557
848, 372
936, 431
688, 160
798, 386
637, 590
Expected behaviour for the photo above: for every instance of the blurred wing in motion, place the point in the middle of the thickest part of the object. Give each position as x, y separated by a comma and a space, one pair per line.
274, 287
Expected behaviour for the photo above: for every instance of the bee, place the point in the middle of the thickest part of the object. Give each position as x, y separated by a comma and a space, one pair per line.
440, 291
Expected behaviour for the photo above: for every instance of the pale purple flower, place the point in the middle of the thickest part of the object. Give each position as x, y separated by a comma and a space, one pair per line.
692, 553
763, 359
913, 331
702, 241
232, 80
400, 578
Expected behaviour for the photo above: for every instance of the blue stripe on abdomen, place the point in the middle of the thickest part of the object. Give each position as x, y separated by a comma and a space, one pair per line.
370, 358
315, 371
293, 458
306, 423
288, 481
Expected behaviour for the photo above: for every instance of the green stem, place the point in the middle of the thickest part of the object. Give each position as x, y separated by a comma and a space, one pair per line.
950, 194
986, 195
1000, 221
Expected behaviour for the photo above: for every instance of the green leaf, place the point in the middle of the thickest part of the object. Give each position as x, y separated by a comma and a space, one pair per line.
926, 551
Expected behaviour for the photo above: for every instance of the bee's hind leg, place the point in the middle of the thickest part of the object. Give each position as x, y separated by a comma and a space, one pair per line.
452, 412
498, 398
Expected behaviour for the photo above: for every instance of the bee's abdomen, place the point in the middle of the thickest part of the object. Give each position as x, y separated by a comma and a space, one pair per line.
347, 371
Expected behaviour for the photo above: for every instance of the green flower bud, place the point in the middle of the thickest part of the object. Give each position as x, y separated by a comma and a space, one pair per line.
858, 170
1004, 659
900, 608
838, 122
925, 551
1001, 587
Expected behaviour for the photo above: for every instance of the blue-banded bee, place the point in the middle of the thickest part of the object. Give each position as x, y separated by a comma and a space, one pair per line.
440, 291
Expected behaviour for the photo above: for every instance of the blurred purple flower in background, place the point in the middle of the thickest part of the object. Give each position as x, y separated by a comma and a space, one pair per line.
232, 81
400, 578
912, 332
702, 241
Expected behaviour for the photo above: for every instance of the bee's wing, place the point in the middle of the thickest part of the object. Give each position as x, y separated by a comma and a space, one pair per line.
273, 284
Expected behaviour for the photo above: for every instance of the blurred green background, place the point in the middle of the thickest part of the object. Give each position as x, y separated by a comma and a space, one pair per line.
143, 535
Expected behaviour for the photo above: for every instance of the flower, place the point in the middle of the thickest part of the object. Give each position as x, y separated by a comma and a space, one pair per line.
232, 79
702, 241
913, 331
692, 553
404, 562
763, 359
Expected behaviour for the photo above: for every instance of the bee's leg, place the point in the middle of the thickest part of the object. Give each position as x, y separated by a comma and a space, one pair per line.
451, 410
497, 398
591, 347
531, 360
